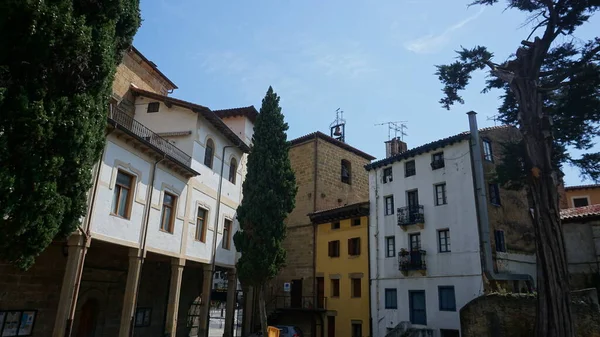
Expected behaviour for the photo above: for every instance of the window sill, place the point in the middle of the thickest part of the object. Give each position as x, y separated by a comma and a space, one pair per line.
448, 251
201, 241
447, 310
164, 231
353, 256
441, 204
120, 217
389, 214
493, 204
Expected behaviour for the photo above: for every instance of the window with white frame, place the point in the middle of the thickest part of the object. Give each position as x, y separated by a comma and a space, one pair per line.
389, 205
444, 240
390, 243
487, 151
440, 194
387, 175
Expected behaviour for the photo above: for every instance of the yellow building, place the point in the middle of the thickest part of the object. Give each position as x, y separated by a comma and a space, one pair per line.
583, 195
342, 269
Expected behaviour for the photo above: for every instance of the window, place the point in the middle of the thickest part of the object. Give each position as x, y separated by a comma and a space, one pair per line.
437, 160
335, 288
449, 333
389, 205
356, 287
232, 170
356, 329
142, 317
209, 153
444, 240
447, 301
500, 243
580, 202
153, 107
354, 246
356, 222
487, 150
334, 248
123, 194
387, 175
440, 194
391, 299
390, 243
346, 172
201, 224
335, 225
494, 194
168, 212
227, 234
417, 308
409, 168
415, 242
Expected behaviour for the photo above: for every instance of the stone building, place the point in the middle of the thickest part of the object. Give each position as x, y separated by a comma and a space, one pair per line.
442, 231
581, 230
582, 195
329, 173
159, 214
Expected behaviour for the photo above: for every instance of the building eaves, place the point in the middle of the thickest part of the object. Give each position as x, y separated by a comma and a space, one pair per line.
580, 213
340, 213
432, 146
154, 67
331, 140
204, 111
249, 112
174, 133
581, 187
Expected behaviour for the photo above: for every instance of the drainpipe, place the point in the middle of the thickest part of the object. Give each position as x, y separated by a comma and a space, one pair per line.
376, 236
142, 256
482, 210
216, 231
369, 272
316, 158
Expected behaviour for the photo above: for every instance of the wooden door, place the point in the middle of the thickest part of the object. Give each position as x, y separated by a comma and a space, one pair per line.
330, 326
296, 293
320, 292
88, 318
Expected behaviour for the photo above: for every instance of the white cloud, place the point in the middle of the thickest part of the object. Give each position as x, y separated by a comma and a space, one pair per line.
433, 43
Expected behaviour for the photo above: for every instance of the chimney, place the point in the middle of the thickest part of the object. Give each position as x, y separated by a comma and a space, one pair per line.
394, 146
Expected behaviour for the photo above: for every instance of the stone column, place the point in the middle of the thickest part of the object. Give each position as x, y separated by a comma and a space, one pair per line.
248, 312
231, 302
77, 245
206, 289
177, 265
133, 275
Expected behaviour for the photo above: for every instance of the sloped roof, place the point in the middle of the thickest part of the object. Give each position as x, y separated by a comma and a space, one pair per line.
248, 111
581, 187
154, 67
428, 147
578, 213
331, 140
204, 111
339, 213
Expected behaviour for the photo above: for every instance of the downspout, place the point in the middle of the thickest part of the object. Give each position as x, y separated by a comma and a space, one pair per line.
216, 232
141, 257
316, 165
482, 210
369, 272
86, 234
377, 224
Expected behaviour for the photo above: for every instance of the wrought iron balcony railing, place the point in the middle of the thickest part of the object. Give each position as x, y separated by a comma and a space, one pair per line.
411, 215
412, 260
119, 117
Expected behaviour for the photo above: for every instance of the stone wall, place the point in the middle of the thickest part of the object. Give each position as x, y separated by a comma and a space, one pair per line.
302, 161
513, 315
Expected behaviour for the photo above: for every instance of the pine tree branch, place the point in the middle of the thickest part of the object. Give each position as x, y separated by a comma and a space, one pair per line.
558, 82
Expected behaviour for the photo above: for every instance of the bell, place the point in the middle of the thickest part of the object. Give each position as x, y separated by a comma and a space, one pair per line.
337, 131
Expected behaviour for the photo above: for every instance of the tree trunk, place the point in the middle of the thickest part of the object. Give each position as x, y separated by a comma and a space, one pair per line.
262, 310
553, 317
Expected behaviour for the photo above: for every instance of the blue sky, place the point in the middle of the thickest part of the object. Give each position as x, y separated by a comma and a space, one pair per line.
373, 59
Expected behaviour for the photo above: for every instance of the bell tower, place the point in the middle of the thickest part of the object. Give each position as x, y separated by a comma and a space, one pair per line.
337, 129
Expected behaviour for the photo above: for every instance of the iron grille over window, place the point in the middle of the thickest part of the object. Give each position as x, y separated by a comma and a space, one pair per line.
411, 215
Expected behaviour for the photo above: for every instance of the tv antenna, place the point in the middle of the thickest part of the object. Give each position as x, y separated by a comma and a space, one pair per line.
397, 127
494, 118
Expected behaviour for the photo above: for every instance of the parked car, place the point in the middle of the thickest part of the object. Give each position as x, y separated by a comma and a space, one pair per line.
285, 331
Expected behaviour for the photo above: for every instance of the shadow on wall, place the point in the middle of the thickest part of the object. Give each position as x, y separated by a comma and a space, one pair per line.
513, 315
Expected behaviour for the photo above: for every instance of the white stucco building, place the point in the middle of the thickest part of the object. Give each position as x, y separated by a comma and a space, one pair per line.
425, 255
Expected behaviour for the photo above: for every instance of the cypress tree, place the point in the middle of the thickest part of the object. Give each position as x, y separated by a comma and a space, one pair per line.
550, 91
269, 196
57, 64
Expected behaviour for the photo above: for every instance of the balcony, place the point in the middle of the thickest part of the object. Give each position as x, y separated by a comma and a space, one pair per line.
303, 303
134, 129
411, 215
413, 260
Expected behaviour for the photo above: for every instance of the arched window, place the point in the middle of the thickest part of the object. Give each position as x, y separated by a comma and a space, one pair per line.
346, 174
209, 153
232, 170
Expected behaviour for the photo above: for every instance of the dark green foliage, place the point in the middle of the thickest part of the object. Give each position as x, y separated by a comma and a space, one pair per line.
568, 77
269, 196
57, 64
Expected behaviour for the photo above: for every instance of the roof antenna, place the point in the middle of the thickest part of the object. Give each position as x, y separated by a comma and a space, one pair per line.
494, 118
398, 127
337, 129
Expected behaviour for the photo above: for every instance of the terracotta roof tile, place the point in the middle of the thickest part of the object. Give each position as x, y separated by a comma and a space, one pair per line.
581, 187
331, 140
248, 111
580, 212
